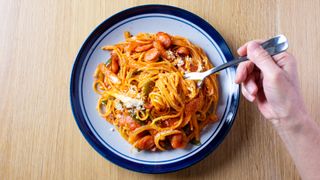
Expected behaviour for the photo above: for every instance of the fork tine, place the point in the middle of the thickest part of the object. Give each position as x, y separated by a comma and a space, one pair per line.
186, 76
193, 76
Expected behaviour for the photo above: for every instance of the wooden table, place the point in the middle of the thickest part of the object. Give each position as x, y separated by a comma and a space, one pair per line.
39, 40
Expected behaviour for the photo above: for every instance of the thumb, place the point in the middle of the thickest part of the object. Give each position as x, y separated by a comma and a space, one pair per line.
261, 58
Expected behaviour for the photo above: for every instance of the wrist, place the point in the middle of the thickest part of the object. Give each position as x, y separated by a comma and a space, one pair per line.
293, 123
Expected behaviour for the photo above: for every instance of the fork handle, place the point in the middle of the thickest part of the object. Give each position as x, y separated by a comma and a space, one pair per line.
228, 64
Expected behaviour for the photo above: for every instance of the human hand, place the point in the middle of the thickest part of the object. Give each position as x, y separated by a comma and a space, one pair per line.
270, 82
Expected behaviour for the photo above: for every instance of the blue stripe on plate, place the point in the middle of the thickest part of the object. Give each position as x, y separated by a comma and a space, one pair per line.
75, 76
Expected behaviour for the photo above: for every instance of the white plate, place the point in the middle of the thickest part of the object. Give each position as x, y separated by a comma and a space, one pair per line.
99, 133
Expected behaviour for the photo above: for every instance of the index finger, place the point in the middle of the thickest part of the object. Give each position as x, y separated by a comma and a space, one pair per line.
242, 50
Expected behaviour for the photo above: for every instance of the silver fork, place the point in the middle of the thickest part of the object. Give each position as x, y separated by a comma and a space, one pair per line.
273, 46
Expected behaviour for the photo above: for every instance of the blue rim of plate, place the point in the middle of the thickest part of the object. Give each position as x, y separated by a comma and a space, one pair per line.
74, 93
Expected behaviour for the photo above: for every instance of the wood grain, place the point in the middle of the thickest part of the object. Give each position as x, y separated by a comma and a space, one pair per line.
39, 40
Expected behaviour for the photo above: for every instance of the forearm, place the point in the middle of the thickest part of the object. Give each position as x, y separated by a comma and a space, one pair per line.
301, 136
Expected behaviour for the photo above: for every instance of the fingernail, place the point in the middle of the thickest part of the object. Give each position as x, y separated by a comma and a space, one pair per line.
236, 80
238, 50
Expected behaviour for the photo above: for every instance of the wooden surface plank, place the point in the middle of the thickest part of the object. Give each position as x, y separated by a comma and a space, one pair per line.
39, 40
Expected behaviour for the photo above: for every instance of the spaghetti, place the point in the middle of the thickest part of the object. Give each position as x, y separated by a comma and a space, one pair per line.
144, 95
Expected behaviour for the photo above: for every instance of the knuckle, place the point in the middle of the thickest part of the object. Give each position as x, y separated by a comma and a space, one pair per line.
291, 58
260, 53
276, 76
284, 55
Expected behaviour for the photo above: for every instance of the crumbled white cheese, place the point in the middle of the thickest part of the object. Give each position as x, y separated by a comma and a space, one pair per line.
118, 116
118, 106
129, 102
180, 62
114, 79
132, 91
200, 67
140, 108
170, 54
131, 111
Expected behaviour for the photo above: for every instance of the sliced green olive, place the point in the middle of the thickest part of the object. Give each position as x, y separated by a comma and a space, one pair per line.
147, 88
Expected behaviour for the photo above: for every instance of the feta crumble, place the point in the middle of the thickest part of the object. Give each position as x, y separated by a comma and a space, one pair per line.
200, 67
180, 62
118, 106
131, 111
129, 102
170, 54
114, 79
118, 116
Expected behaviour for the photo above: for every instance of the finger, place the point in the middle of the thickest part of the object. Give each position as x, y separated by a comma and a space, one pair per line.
261, 58
280, 56
284, 56
243, 70
247, 95
251, 86
242, 51
286, 61
260, 99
